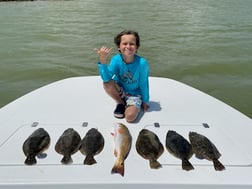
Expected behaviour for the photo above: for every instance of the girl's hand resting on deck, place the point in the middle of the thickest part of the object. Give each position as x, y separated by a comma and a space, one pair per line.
145, 107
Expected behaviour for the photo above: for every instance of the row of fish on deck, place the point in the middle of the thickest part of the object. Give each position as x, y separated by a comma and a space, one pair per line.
147, 146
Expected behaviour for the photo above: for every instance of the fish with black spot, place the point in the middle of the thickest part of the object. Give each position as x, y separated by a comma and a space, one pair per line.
122, 141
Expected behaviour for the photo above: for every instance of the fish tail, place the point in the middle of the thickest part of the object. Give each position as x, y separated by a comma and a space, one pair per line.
89, 160
154, 164
218, 166
118, 168
66, 159
30, 160
186, 165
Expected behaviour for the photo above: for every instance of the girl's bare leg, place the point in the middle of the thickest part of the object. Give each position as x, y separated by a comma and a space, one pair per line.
131, 113
113, 90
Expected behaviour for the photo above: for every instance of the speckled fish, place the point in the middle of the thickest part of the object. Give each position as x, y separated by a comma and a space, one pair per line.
122, 140
205, 149
179, 147
149, 147
35, 144
68, 144
91, 145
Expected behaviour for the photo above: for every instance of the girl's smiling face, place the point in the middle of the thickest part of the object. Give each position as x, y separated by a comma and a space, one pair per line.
128, 46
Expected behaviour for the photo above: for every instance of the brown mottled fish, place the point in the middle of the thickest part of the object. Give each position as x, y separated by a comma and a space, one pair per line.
149, 147
35, 145
123, 140
91, 145
68, 144
205, 149
179, 147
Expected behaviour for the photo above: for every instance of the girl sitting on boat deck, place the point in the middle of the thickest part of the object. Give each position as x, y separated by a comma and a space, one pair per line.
126, 78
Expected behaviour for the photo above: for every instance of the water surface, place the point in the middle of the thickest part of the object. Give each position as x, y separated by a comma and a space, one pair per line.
204, 43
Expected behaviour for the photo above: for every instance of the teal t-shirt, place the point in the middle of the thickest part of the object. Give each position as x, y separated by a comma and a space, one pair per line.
133, 77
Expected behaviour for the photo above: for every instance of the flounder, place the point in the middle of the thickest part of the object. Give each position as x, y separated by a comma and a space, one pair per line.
91, 145
68, 144
179, 147
149, 147
35, 144
205, 149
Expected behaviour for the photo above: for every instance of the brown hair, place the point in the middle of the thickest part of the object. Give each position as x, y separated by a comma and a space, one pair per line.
117, 39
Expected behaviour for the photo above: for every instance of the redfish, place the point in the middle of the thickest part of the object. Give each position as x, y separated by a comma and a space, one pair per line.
123, 141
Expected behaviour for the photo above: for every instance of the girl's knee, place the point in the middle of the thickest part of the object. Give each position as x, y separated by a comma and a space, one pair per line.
130, 119
131, 114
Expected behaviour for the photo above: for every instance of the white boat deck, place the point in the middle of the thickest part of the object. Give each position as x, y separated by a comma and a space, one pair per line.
81, 103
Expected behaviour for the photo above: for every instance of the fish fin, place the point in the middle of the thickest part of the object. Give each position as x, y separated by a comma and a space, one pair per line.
186, 165
218, 166
154, 164
118, 168
30, 160
66, 160
89, 160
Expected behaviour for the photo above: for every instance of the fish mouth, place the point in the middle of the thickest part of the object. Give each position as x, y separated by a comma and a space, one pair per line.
116, 125
113, 129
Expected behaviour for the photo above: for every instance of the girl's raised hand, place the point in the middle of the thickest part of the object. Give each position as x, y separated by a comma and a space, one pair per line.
103, 53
